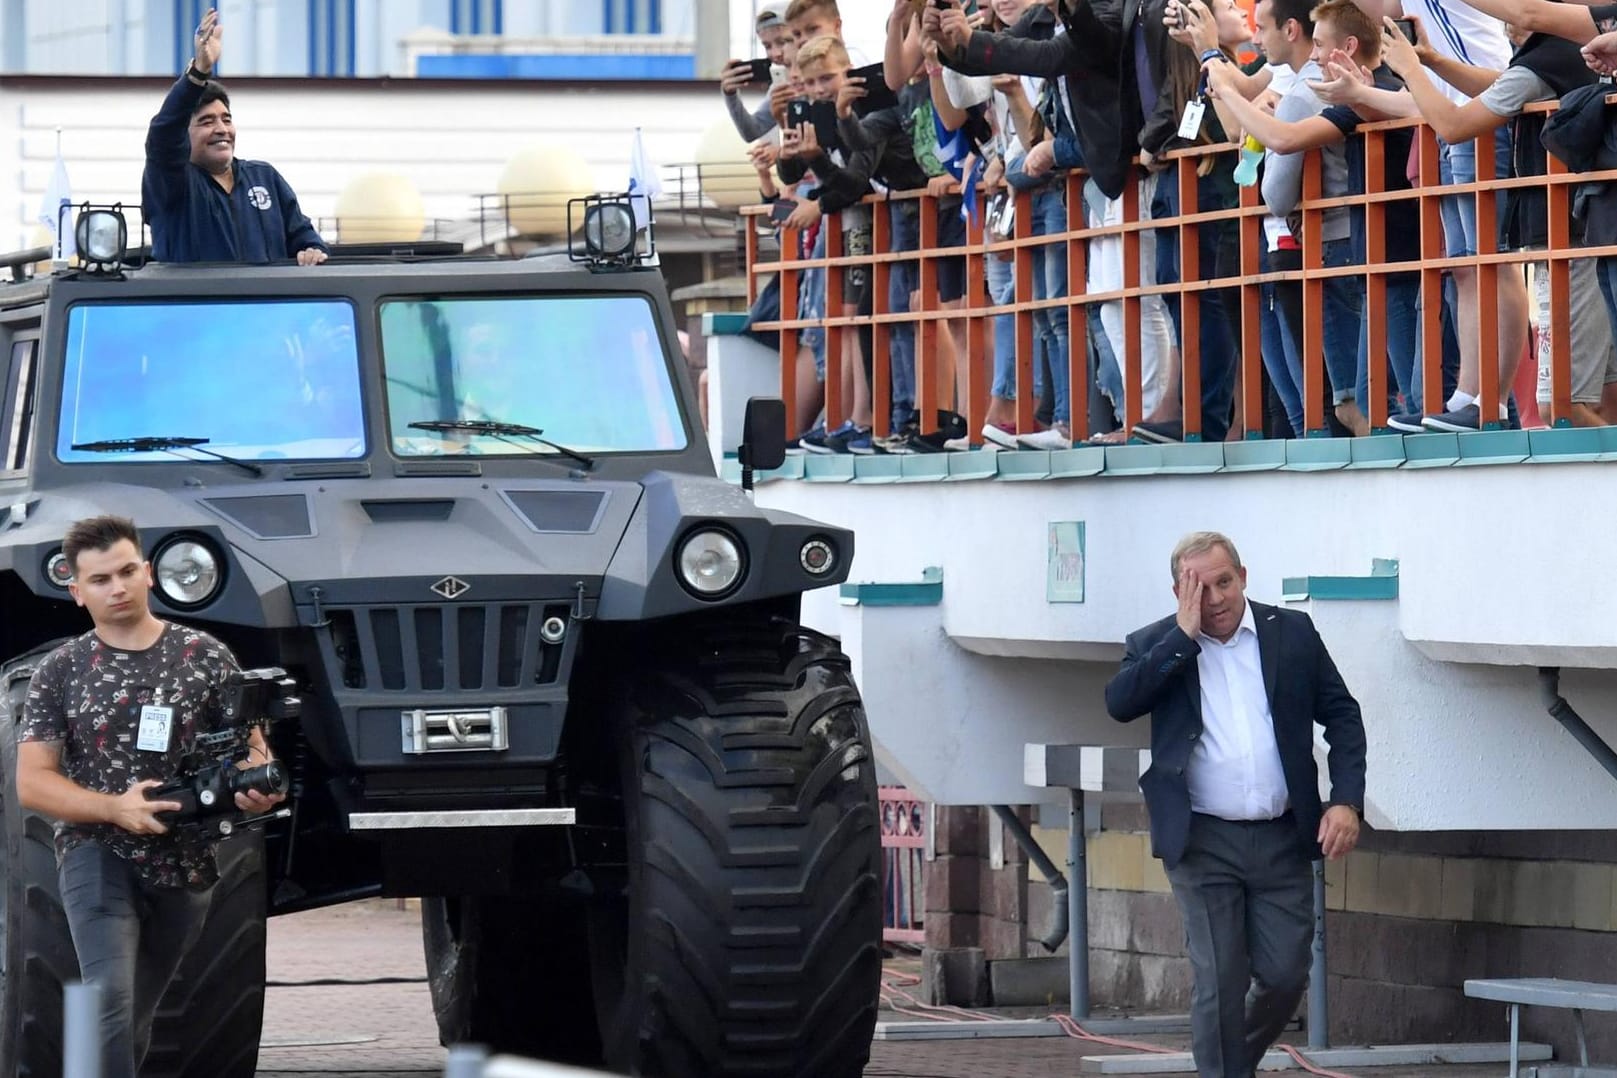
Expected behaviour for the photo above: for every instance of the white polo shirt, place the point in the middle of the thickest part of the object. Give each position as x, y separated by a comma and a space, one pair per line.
1461, 32
1234, 771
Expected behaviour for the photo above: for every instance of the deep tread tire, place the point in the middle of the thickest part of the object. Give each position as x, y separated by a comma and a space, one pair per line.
510, 973
749, 942
211, 1019
36, 949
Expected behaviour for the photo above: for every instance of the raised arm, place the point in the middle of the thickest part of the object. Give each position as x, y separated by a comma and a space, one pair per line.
1571, 21
902, 54
1281, 136
1453, 123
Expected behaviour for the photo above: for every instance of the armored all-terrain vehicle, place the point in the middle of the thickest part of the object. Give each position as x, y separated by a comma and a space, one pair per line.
553, 676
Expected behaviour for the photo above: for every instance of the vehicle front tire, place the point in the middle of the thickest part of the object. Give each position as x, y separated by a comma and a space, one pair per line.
36, 949
748, 937
211, 1019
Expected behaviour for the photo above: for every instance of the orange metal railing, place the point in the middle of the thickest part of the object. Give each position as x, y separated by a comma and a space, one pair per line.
931, 382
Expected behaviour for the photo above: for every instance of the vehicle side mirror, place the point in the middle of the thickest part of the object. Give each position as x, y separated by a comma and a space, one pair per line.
763, 437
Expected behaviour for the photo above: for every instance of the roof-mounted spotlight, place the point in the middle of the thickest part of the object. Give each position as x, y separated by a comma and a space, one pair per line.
605, 231
101, 235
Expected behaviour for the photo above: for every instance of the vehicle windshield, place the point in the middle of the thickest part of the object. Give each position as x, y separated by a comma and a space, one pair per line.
259, 380
588, 371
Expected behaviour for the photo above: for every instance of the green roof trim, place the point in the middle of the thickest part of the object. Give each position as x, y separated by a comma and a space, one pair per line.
1382, 583
720, 324
1437, 449
928, 591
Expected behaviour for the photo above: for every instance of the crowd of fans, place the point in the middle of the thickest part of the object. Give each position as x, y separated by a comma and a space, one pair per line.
1012, 95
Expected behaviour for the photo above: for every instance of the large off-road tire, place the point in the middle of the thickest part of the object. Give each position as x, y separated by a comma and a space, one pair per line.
748, 941
212, 1017
209, 1023
36, 950
512, 974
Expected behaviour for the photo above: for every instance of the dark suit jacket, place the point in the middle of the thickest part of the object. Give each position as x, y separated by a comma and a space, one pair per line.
1160, 675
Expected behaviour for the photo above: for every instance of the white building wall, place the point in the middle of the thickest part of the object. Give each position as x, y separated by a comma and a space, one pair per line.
452, 142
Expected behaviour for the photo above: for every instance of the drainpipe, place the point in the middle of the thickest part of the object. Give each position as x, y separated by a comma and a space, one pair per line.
1549, 682
1052, 875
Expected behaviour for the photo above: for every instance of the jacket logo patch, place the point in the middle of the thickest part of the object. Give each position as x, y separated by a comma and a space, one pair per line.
259, 197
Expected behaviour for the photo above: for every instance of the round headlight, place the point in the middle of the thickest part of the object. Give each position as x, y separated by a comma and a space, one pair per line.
609, 229
187, 572
710, 564
58, 571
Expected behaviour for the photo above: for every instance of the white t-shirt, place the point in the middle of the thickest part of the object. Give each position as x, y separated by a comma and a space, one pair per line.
1461, 32
1281, 78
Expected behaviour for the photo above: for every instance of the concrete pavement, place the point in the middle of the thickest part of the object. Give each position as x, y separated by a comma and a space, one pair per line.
348, 997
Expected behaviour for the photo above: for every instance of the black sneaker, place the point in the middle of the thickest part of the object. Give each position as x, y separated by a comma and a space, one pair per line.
797, 446
951, 425
1164, 433
1460, 420
1409, 422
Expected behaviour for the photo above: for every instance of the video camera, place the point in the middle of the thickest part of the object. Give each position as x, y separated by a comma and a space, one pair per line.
209, 776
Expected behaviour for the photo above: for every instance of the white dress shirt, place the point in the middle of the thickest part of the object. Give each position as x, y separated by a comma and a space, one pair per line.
1234, 771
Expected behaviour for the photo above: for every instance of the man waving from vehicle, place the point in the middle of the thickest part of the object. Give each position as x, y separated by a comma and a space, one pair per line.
203, 203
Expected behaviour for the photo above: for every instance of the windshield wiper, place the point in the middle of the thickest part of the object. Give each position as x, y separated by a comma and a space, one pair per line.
154, 443
493, 428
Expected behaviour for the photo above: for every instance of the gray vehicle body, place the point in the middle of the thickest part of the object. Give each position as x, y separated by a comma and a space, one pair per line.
393, 586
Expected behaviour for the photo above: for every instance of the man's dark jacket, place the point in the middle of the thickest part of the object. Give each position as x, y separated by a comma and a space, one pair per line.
1096, 54
1160, 676
191, 216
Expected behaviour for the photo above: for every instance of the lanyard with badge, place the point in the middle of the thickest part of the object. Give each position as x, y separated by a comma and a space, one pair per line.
156, 732
1190, 125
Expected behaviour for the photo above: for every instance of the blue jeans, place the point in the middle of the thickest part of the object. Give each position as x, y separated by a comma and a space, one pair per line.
1219, 256
903, 280
766, 308
1049, 282
1002, 289
1344, 314
811, 304
1281, 357
1403, 340
130, 938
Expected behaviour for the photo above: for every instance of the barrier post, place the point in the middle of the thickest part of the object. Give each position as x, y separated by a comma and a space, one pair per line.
1489, 391
1313, 242
1431, 277
789, 281
1375, 283
880, 270
1079, 389
836, 409
1022, 294
926, 333
979, 367
1190, 300
1252, 402
1131, 305
1560, 327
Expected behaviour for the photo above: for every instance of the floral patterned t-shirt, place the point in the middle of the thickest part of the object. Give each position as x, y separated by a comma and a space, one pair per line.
87, 696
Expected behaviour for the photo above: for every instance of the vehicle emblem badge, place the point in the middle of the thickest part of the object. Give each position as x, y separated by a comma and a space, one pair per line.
451, 587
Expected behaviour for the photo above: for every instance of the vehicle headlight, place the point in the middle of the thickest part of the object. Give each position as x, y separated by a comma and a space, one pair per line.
101, 236
609, 230
187, 571
710, 563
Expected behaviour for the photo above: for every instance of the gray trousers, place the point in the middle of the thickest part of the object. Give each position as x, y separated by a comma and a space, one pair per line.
130, 938
1245, 891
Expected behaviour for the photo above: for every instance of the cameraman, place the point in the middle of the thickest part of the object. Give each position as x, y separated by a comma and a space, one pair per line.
110, 714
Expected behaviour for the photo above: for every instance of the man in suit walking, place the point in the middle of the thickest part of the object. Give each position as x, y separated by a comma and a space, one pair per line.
1234, 689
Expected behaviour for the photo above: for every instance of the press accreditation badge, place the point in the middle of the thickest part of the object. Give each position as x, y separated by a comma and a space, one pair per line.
1191, 125
156, 728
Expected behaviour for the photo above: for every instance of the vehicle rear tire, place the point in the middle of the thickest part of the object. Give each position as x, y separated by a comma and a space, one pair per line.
211, 1019
36, 949
509, 973
748, 939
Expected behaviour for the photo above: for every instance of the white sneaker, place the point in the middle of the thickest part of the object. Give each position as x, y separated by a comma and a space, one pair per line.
1045, 439
998, 436
957, 445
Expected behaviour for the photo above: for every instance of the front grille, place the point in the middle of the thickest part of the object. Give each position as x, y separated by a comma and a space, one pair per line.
457, 647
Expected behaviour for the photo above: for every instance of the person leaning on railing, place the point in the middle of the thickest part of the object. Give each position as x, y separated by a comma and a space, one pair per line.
1463, 50
1542, 68
1342, 30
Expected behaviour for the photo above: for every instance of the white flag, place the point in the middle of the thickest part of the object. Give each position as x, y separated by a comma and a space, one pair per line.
644, 184
56, 214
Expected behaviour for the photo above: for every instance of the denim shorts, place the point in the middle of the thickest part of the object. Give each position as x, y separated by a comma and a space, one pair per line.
1457, 163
